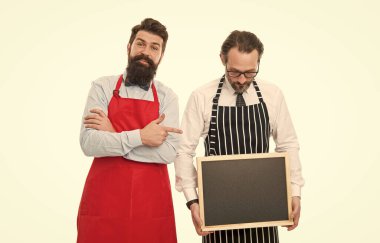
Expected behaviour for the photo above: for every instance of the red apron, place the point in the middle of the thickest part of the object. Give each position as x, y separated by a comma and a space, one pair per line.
125, 201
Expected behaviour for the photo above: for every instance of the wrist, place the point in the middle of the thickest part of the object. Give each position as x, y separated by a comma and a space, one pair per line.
191, 202
142, 137
134, 138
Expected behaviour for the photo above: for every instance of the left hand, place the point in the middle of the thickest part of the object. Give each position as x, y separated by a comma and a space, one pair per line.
197, 221
98, 120
296, 208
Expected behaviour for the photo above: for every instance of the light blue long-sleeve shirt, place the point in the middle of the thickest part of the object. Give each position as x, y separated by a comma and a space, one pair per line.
128, 143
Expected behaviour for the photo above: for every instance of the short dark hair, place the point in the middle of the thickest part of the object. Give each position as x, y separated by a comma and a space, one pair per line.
245, 42
152, 26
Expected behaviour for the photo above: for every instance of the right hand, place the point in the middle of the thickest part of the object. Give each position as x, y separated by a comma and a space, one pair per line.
197, 221
154, 134
98, 120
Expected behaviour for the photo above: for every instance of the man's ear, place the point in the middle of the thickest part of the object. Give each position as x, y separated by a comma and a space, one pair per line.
129, 48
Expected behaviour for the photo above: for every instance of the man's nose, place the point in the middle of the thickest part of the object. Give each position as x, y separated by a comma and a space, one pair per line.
146, 52
241, 79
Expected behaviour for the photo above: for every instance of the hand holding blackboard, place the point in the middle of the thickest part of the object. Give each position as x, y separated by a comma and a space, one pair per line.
244, 191
296, 208
197, 221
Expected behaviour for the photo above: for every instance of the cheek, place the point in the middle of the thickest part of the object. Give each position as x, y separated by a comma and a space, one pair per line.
232, 82
132, 52
156, 59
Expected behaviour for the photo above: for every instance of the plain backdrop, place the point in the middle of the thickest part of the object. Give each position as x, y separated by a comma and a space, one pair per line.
322, 54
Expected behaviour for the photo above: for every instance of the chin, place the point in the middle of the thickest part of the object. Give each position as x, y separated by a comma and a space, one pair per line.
239, 89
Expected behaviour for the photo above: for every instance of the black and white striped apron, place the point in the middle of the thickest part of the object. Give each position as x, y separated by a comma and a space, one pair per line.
239, 130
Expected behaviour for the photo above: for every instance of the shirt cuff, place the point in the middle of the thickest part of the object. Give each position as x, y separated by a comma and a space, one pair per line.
134, 138
190, 194
296, 190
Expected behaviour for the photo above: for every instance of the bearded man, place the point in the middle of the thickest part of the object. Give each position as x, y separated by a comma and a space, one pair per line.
129, 126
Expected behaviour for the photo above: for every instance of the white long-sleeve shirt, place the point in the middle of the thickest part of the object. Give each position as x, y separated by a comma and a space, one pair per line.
196, 123
128, 143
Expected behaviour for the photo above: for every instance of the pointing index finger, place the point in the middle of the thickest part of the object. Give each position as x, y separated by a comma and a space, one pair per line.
172, 129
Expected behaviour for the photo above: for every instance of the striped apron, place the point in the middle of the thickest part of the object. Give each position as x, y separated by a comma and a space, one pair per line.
239, 130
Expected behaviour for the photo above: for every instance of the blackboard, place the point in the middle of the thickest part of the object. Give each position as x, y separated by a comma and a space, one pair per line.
244, 191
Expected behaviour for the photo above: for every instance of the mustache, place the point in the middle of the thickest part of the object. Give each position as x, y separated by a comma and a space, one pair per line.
144, 57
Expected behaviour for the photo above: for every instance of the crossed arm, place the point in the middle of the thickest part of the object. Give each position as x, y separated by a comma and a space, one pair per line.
153, 138
155, 143
152, 135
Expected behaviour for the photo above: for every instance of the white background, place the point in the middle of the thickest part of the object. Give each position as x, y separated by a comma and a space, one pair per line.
322, 54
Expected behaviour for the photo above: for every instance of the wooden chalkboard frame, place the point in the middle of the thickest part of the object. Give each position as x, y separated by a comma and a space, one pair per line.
254, 158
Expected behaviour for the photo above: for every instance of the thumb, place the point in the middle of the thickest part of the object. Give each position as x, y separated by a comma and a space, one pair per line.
160, 119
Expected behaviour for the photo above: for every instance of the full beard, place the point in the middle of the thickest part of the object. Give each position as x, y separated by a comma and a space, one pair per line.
139, 73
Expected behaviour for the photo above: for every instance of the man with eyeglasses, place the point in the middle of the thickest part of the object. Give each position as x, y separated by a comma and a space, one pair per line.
127, 195
237, 114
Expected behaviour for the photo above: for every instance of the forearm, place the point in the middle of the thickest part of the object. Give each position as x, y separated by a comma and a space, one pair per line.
193, 129
103, 144
296, 178
163, 154
186, 176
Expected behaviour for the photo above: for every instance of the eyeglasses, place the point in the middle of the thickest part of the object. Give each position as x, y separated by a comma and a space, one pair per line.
236, 74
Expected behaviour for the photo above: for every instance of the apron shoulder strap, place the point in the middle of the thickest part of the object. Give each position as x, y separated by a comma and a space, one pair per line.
258, 92
154, 92
117, 88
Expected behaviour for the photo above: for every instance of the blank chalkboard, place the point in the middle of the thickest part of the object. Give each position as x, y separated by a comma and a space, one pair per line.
243, 191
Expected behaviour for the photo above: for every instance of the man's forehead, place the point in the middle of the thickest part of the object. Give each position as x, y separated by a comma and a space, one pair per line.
243, 60
149, 37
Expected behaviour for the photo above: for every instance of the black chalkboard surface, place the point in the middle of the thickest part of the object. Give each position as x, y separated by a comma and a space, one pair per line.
243, 191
